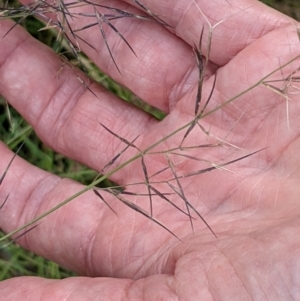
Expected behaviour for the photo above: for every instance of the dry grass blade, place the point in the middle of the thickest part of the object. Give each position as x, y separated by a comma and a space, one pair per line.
147, 183
101, 197
181, 194
64, 29
62, 24
209, 96
193, 208
117, 32
159, 171
198, 56
166, 199
152, 14
99, 20
10, 163
142, 211
122, 13
63, 34
120, 138
102, 18
126, 192
203, 219
2, 205
30, 12
198, 99
190, 157
113, 160
283, 91
67, 62
69, 35
85, 85
84, 41
5, 173
152, 146
62, 10
217, 166
19, 236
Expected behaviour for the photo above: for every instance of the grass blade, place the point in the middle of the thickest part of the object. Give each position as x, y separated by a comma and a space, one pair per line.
147, 183
19, 236
97, 193
143, 212
151, 13
182, 195
2, 205
10, 163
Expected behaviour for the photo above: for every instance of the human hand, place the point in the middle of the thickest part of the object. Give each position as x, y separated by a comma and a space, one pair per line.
254, 210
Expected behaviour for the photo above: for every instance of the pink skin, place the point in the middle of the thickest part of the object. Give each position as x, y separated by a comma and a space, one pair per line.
254, 211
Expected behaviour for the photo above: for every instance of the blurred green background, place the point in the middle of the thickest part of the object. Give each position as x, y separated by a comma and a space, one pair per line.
15, 261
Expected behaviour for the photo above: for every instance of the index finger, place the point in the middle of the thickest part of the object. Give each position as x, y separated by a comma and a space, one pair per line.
235, 23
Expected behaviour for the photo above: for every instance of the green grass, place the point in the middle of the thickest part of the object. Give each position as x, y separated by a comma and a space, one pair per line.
15, 261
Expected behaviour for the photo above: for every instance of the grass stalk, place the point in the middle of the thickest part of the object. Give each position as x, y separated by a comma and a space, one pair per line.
68, 39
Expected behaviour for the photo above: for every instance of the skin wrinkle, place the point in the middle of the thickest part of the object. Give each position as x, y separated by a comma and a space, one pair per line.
24, 213
130, 241
111, 250
128, 289
246, 289
115, 52
285, 284
169, 283
71, 118
84, 125
88, 247
60, 122
209, 287
181, 19
44, 199
142, 270
257, 204
277, 193
113, 141
140, 247
295, 270
69, 295
187, 261
21, 214
30, 198
108, 245
18, 45
163, 259
145, 55
182, 87
36, 118
261, 33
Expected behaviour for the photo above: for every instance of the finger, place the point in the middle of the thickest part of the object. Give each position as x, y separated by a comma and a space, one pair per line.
86, 289
244, 22
162, 67
83, 235
263, 108
62, 111
165, 68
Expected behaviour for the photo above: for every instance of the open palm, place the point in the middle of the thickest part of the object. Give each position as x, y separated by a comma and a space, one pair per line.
253, 207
